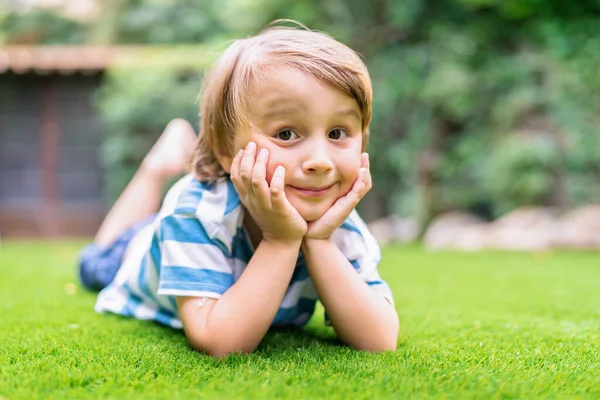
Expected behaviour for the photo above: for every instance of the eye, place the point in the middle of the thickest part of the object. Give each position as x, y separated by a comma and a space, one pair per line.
286, 135
337, 134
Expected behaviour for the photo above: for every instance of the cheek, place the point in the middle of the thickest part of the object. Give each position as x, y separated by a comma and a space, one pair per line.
241, 141
272, 164
270, 170
349, 169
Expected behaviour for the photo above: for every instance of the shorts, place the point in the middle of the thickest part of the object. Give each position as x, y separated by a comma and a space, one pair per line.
98, 265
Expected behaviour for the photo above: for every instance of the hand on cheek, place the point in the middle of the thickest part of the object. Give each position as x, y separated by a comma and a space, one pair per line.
323, 227
266, 201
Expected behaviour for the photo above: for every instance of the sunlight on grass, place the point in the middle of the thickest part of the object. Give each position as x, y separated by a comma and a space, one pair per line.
485, 325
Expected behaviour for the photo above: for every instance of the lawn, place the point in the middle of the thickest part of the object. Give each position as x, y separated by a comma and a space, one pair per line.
486, 325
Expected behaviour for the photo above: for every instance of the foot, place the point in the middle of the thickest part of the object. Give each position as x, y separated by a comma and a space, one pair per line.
170, 155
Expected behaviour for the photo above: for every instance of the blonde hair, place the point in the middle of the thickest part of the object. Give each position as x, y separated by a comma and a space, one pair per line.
224, 93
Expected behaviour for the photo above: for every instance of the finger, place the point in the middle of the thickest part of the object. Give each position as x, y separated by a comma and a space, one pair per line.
235, 174
368, 178
359, 189
343, 206
366, 164
246, 166
277, 187
364, 161
259, 178
337, 213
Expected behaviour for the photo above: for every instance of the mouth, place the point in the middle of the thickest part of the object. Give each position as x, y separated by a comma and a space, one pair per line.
312, 192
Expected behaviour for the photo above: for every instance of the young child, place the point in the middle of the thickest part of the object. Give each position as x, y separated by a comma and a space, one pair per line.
264, 225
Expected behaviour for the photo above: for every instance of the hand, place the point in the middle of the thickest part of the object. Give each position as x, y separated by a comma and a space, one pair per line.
323, 227
268, 206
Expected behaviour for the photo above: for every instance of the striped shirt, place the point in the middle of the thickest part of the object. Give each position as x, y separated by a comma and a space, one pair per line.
198, 247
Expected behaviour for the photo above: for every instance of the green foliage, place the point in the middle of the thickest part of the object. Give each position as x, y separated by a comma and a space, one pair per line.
136, 105
454, 82
520, 171
466, 76
40, 27
154, 22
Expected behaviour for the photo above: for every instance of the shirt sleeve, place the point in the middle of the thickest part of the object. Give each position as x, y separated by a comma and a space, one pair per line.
192, 261
360, 247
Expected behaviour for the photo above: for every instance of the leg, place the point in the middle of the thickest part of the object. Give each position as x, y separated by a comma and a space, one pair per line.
168, 158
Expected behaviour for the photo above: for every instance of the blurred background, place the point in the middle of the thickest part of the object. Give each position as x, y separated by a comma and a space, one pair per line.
486, 112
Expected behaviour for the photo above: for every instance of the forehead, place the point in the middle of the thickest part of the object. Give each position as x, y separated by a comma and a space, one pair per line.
288, 87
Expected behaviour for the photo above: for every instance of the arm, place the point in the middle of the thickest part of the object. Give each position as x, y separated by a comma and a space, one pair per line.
361, 317
240, 318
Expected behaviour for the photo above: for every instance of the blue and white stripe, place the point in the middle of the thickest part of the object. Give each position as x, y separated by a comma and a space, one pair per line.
198, 247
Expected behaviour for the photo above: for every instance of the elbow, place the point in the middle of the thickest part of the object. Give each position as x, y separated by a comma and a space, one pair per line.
217, 352
386, 345
220, 352
391, 339
380, 346
219, 349
385, 341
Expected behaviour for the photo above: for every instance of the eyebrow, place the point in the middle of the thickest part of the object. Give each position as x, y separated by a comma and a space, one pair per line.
282, 111
351, 112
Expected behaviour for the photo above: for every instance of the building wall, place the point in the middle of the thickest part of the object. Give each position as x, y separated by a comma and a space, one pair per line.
51, 178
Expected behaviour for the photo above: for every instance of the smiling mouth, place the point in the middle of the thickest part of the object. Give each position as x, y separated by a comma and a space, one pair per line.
312, 192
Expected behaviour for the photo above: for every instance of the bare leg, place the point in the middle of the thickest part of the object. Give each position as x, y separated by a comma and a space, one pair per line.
168, 158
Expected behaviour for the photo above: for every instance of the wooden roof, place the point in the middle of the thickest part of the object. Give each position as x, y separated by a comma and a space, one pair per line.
93, 59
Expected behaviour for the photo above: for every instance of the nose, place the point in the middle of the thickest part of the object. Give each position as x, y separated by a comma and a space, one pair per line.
318, 161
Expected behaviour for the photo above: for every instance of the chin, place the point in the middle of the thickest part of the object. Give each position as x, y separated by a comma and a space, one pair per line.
309, 217
311, 210
312, 213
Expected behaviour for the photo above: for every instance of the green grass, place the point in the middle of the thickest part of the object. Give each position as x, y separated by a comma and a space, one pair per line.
487, 325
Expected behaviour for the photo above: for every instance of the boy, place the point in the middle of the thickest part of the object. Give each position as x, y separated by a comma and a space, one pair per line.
265, 224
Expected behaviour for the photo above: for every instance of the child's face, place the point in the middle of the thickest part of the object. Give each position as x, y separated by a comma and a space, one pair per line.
311, 129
